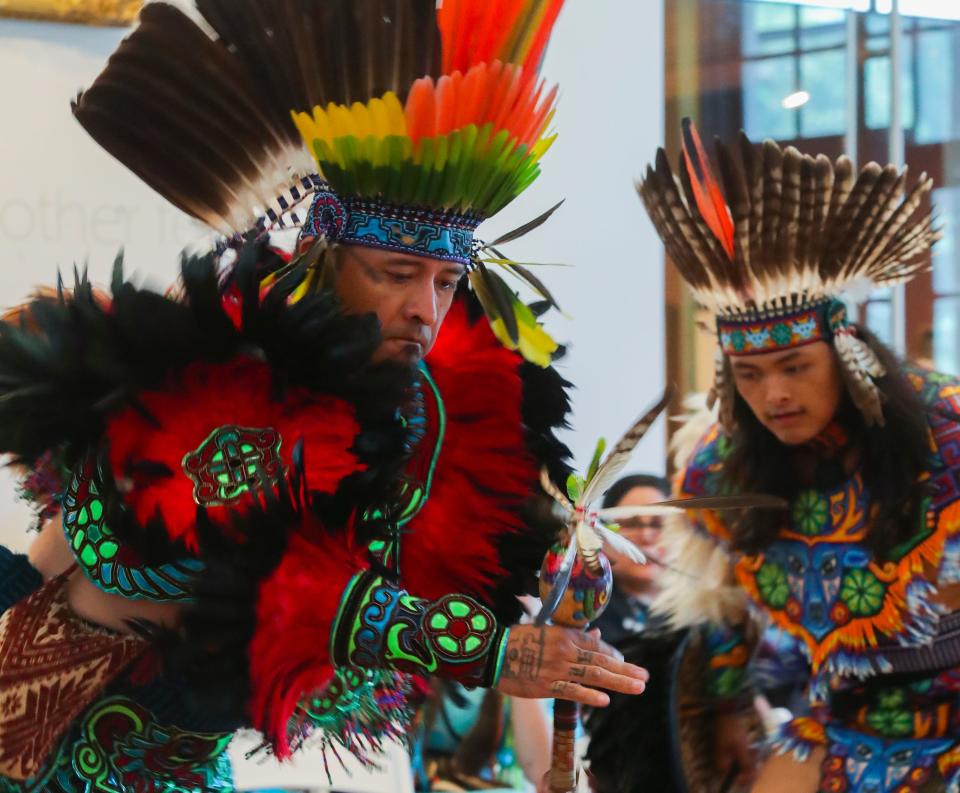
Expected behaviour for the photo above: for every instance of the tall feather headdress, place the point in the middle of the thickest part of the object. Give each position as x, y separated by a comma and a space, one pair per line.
393, 124
773, 243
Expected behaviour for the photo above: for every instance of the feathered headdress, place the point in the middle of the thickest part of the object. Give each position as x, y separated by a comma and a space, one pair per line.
404, 124
772, 245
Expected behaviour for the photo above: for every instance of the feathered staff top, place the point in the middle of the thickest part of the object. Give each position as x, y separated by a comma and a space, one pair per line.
406, 124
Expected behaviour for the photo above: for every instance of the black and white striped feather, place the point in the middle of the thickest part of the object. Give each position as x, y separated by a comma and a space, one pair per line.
804, 227
205, 119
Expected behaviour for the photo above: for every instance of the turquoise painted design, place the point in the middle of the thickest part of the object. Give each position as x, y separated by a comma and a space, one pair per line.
117, 747
418, 496
859, 763
766, 333
380, 626
377, 224
111, 566
411, 495
230, 460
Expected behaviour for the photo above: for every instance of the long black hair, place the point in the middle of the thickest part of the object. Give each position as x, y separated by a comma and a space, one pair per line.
891, 460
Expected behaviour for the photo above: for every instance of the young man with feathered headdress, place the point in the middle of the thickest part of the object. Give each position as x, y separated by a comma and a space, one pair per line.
863, 569
286, 494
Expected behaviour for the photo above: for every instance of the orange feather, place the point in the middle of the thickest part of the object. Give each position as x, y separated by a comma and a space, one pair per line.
421, 110
490, 93
447, 100
535, 55
706, 188
513, 31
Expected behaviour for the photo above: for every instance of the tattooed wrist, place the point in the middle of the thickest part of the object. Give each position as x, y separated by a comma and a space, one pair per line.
525, 660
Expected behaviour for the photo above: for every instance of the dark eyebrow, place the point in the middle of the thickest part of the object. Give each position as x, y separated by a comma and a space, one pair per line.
788, 358
744, 365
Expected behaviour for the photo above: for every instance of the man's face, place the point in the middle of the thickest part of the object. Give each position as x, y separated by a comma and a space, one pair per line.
410, 295
793, 393
643, 532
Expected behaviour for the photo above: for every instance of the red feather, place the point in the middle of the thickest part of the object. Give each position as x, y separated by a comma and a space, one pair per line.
706, 189
482, 479
290, 650
199, 400
484, 474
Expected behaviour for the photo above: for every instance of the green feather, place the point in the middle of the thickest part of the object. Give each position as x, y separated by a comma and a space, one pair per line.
595, 462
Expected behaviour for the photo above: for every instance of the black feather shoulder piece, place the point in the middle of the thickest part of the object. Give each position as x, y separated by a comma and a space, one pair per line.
154, 387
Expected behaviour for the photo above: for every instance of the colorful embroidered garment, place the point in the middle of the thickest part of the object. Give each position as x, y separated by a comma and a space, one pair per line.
267, 504
882, 649
238, 454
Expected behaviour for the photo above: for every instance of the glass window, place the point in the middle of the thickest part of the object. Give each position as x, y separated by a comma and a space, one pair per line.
946, 263
821, 75
877, 25
935, 81
877, 97
879, 317
822, 27
768, 30
770, 80
946, 334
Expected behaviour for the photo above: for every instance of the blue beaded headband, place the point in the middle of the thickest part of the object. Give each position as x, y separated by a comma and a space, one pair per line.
377, 224
768, 332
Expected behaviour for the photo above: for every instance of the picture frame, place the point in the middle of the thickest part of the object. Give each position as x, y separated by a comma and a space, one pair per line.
114, 13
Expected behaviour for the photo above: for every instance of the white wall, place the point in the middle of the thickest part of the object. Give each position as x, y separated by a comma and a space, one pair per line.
607, 56
62, 199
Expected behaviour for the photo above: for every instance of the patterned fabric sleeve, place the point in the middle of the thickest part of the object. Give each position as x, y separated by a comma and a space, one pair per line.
380, 625
334, 645
728, 654
697, 584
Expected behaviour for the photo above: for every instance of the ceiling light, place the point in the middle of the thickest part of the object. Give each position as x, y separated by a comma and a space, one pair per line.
795, 100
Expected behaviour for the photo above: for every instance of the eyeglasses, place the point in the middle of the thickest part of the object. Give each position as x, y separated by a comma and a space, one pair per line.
653, 523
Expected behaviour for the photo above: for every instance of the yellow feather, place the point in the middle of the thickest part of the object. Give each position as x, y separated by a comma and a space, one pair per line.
499, 329
536, 345
381, 119
542, 146
398, 118
306, 126
341, 121
322, 123
362, 121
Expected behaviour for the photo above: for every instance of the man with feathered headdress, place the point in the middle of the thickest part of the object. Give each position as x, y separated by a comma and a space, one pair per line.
283, 496
862, 570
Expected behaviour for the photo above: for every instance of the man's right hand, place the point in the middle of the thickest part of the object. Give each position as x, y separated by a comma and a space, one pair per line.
563, 663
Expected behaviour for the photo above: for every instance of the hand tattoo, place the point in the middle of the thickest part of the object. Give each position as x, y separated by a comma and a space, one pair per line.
584, 656
524, 662
578, 671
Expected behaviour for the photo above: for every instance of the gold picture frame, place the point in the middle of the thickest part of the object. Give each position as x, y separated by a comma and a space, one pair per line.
81, 12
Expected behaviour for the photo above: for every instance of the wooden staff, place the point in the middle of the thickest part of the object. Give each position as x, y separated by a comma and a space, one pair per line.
586, 596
